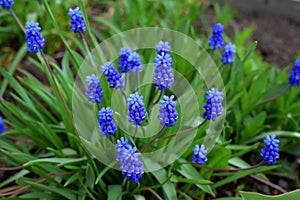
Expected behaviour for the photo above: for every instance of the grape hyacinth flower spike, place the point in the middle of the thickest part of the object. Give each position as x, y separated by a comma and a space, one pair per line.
2, 127
199, 154
106, 121
167, 112
136, 111
34, 40
216, 40
163, 75
77, 23
213, 107
294, 75
94, 91
114, 78
6, 3
228, 54
132, 167
270, 151
129, 61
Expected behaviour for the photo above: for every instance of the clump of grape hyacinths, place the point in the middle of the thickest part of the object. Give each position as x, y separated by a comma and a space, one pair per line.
213, 107
6, 3
216, 40
115, 79
94, 91
2, 127
270, 151
77, 23
129, 61
34, 40
294, 75
106, 121
132, 167
199, 154
136, 110
228, 54
167, 112
163, 75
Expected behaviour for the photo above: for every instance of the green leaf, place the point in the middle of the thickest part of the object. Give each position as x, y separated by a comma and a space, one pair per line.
294, 195
90, 176
60, 161
114, 192
177, 179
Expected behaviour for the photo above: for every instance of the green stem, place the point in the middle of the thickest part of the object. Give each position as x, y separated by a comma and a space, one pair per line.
153, 140
17, 20
276, 96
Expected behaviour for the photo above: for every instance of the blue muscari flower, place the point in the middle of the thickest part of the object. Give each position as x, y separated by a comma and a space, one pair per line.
77, 23
167, 112
106, 121
34, 40
94, 91
162, 47
129, 61
294, 75
163, 77
2, 127
213, 107
228, 54
136, 110
216, 40
115, 79
132, 167
270, 151
199, 154
6, 3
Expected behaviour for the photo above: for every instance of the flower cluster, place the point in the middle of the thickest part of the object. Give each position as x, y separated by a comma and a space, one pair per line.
106, 121
167, 112
228, 54
6, 3
115, 79
132, 167
163, 75
213, 107
294, 75
199, 154
216, 40
34, 40
129, 61
2, 127
270, 151
136, 110
77, 23
94, 91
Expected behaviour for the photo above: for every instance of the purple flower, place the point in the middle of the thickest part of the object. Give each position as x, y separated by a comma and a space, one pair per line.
6, 3
114, 78
294, 75
34, 40
163, 77
94, 91
2, 126
136, 110
167, 112
106, 121
213, 107
228, 54
270, 151
162, 47
199, 154
77, 23
216, 40
129, 61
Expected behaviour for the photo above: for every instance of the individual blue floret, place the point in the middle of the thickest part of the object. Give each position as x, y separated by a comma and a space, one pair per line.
228, 54
213, 107
216, 40
163, 77
162, 47
163, 59
34, 40
6, 3
167, 112
77, 23
106, 121
114, 78
94, 91
136, 110
294, 75
199, 154
270, 151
